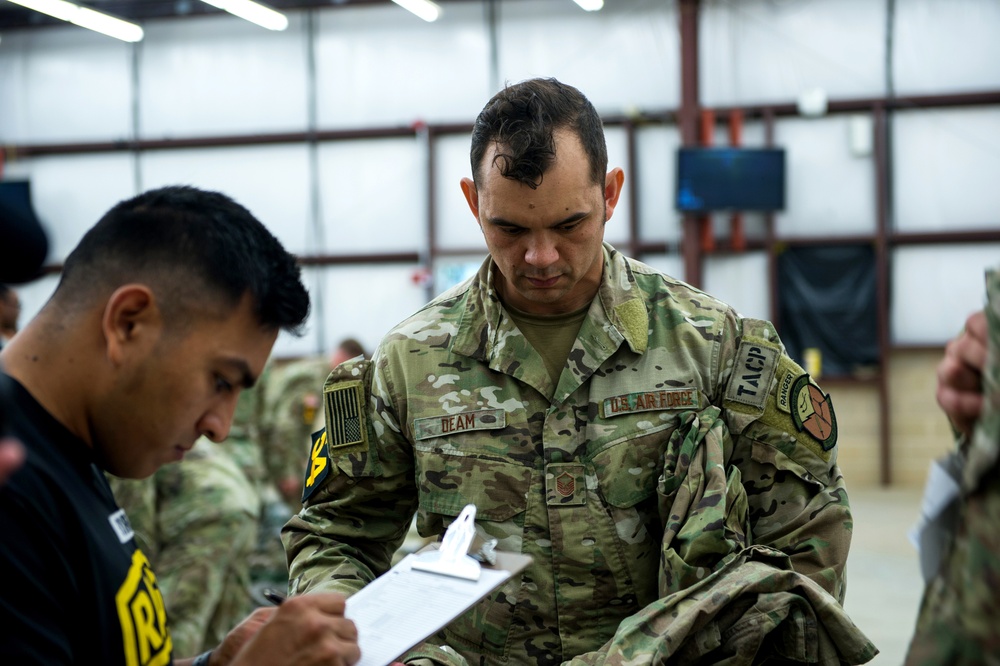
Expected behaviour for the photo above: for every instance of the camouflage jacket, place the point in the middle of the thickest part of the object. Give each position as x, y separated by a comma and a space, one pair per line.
456, 407
197, 520
960, 612
291, 405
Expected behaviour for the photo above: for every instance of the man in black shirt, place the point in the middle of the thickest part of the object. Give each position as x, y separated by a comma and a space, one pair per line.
165, 311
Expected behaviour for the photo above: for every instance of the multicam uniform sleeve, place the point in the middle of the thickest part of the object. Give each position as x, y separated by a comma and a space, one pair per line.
359, 495
785, 444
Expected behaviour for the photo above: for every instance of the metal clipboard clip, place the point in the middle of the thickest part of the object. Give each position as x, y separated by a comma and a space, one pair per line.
452, 558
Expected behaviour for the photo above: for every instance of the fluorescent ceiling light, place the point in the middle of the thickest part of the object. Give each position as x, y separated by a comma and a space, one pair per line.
590, 5
425, 9
254, 12
86, 17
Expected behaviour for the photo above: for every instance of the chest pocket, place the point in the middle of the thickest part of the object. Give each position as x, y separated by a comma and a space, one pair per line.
456, 467
460, 459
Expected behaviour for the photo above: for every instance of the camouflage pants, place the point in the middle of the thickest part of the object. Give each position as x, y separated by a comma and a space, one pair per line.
959, 620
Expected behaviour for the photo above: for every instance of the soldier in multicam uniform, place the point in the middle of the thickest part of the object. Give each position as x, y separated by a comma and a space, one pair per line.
559, 390
197, 523
959, 619
289, 416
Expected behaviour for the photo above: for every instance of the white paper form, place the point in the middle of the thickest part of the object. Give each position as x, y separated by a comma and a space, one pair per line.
404, 606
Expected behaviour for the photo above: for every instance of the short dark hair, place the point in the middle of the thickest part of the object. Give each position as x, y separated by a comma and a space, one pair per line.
351, 347
192, 245
520, 121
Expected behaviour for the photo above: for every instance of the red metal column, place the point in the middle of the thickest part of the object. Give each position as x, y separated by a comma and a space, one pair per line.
687, 117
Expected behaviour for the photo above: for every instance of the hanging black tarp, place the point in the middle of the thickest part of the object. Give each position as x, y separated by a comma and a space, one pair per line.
826, 300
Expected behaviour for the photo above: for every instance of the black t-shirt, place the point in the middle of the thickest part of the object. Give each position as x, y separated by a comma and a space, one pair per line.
74, 589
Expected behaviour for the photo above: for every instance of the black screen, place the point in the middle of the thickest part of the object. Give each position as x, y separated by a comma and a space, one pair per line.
710, 179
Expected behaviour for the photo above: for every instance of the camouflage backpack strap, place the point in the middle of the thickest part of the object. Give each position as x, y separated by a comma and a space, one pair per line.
769, 394
345, 444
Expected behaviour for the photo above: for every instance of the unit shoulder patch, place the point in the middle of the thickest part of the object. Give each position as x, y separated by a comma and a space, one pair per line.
812, 412
319, 465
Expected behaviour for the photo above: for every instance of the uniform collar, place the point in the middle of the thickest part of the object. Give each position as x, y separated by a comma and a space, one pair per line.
620, 314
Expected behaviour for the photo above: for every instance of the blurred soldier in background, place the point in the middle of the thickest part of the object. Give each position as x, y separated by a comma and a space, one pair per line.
347, 349
291, 412
197, 522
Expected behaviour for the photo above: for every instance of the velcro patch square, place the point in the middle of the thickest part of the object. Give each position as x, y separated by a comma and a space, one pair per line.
753, 371
565, 484
346, 418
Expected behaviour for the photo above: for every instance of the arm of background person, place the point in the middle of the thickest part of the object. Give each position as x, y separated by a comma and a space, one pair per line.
960, 375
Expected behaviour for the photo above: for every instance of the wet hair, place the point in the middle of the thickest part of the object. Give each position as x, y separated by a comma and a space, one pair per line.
197, 249
520, 121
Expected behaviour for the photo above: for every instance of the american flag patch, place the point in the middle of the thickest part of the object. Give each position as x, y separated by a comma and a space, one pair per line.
345, 417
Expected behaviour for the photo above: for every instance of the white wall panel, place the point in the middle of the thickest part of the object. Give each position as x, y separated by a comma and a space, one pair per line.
773, 50
271, 181
946, 166
656, 150
364, 302
616, 231
946, 46
222, 75
33, 296
64, 85
374, 195
741, 281
671, 264
934, 289
623, 57
70, 193
456, 226
828, 190
379, 66
309, 343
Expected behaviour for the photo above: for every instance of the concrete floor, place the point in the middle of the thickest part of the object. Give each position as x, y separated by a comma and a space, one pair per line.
884, 586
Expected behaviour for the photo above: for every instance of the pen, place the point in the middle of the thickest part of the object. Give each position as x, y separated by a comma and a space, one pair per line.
274, 596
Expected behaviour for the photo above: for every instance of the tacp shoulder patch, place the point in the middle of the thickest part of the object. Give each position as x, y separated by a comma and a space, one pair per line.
319, 465
753, 370
346, 417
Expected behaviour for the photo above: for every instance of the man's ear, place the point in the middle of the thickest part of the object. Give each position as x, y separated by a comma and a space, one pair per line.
613, 183
471, 196
131, 321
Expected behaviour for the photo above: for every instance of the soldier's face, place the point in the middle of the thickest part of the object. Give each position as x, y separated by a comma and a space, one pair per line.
546, 241
179, 388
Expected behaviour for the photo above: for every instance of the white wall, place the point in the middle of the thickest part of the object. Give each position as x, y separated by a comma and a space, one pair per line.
378, 66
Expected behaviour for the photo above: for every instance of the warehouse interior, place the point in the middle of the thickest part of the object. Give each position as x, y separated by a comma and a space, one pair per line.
346, 132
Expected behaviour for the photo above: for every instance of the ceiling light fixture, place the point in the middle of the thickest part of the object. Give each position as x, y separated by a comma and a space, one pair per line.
85, 17
425, 9
590, 5
254, 12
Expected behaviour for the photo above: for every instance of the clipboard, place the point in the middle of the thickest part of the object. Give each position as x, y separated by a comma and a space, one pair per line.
424, 592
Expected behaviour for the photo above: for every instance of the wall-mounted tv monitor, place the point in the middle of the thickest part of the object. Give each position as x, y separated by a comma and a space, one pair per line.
713, 179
